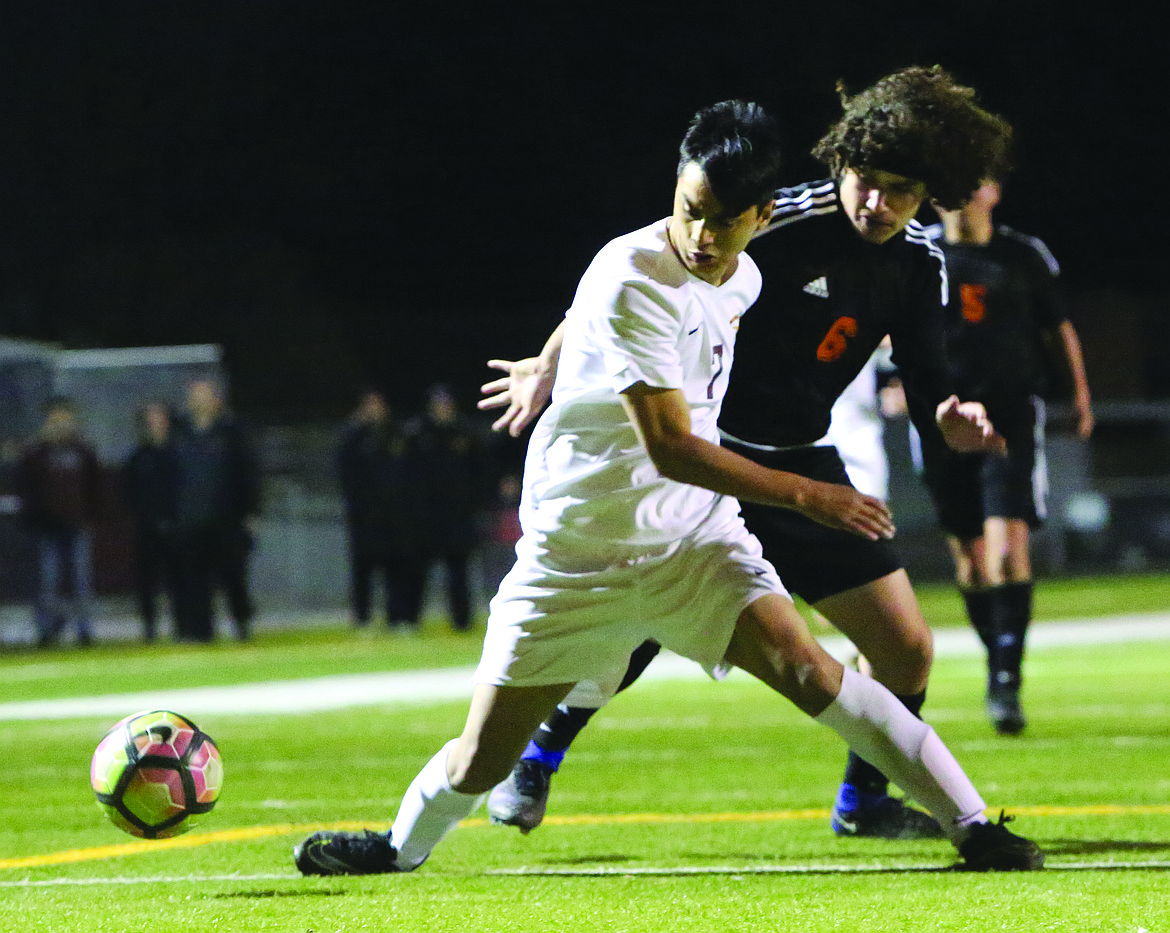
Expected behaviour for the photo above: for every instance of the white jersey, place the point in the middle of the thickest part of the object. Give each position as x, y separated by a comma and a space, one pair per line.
638, 316
857, 431
612, 552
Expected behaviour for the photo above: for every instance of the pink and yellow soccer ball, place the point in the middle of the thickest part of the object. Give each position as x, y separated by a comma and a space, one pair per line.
155, 774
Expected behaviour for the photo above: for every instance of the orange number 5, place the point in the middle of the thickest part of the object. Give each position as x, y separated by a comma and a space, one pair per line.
973, 305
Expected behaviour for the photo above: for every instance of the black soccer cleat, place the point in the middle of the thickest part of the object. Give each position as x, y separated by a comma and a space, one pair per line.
337, 853
993, 847
521, 798
880, 816
1004, 710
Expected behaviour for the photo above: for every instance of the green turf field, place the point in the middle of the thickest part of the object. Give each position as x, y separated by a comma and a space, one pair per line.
688, 805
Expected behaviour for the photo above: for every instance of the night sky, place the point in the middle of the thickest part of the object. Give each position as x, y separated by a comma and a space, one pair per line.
343, 193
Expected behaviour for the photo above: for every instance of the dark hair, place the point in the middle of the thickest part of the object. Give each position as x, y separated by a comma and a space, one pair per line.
920, 124
1001, 166
737, 145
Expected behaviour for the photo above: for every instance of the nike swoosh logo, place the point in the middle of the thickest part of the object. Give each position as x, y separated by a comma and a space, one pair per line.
695, 331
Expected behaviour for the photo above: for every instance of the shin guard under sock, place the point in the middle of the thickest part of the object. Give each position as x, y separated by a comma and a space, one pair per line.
1017, 615
1006, 650
430, 809
862, 775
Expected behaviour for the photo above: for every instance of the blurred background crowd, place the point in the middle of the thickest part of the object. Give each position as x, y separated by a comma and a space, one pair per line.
178, 516
130, 488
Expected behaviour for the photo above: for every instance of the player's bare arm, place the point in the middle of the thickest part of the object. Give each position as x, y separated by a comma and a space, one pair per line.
1076, 365
526, 387
663, 422
966, 428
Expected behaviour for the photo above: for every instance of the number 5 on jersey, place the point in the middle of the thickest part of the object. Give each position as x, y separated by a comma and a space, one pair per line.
974, 306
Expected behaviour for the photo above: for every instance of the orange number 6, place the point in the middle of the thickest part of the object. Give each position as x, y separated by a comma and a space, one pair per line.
833, 345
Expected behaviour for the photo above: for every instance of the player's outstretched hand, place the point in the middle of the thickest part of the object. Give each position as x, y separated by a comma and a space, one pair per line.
525, 389
840, 506
966, 428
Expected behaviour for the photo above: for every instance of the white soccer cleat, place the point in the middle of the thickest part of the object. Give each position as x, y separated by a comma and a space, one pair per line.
520, 799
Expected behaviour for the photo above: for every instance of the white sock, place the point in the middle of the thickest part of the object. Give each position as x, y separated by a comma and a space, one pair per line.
429, 810
886, 734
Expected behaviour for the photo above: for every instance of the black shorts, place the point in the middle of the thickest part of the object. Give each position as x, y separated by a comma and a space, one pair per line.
969, 488
813, 561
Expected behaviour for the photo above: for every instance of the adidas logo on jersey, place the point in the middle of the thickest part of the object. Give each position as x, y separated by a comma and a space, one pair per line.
818, 287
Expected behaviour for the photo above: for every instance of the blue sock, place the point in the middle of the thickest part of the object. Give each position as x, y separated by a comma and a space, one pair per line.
849, 798
535, 753
846, 798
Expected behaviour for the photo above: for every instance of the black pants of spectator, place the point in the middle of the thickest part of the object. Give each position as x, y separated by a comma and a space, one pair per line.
154, 575
406, 577
403, 579
454, 561
210, 558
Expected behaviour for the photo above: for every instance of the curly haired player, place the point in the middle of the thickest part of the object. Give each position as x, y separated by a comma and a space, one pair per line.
844, 264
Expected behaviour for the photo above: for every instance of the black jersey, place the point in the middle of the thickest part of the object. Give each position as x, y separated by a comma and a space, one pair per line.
1003, 301
829, 297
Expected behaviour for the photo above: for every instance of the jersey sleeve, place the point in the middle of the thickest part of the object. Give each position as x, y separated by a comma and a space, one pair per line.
639, 338
1047, 299
919, 346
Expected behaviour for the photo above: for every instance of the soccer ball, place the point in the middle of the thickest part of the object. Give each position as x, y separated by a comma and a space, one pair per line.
155, 774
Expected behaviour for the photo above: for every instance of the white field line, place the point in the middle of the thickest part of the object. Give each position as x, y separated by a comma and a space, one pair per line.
416, 688
598, 872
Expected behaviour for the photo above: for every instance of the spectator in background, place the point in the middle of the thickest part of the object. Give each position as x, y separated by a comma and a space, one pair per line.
458, 484
150, 478
216, 506
504, 530
381, 487
58, 482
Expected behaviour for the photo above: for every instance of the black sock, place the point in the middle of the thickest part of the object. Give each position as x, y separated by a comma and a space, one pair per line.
557, 732
1019, 606
979, 609
864, 776
1016, 616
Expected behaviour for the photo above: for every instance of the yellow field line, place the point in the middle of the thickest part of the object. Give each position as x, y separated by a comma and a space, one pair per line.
178, 842
246, 834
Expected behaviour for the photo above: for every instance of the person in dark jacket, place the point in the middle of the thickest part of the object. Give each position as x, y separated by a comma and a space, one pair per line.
59, 484
382, 490
150, 480
216, 505
451, 456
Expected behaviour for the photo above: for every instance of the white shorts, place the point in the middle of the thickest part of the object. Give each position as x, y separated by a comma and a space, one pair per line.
558, 619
